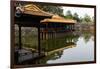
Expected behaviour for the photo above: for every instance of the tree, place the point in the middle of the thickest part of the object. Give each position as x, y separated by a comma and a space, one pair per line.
76, 17
81, 19
92, 19
87, 18
68, 15
52, 9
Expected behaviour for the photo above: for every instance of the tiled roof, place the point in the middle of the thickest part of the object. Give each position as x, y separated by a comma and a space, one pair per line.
58, 19
33, 10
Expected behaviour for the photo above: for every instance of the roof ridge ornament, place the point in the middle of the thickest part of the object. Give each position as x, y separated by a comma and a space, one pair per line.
19, 10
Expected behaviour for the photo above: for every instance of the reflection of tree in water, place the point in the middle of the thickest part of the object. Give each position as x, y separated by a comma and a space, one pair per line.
72, 38
86, 36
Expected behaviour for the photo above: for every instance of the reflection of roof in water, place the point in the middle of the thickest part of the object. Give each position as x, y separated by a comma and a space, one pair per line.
60, 49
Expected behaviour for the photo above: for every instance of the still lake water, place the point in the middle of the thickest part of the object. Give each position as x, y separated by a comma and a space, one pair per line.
76, 47
64, 47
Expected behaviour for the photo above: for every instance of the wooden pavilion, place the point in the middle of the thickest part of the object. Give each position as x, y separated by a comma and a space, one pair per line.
28, 16
31, 16
56, 24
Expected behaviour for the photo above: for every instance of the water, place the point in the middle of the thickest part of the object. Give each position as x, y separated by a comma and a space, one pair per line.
65, 47
77, 47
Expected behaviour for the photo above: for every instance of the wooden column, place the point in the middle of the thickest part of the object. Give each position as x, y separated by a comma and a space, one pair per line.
42, 34
39, 47
45, 33
68, 27
71, 27
20, 46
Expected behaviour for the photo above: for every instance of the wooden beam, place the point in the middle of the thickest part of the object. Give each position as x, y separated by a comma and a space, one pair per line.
39, 47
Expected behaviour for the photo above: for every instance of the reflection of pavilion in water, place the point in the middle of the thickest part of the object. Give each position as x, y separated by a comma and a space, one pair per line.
52, 33
54, 47
59, 43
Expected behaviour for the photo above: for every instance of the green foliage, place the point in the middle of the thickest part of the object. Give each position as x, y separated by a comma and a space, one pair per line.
76, 17
87, 19
93, 19
69, 15
29, 37
52, 9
